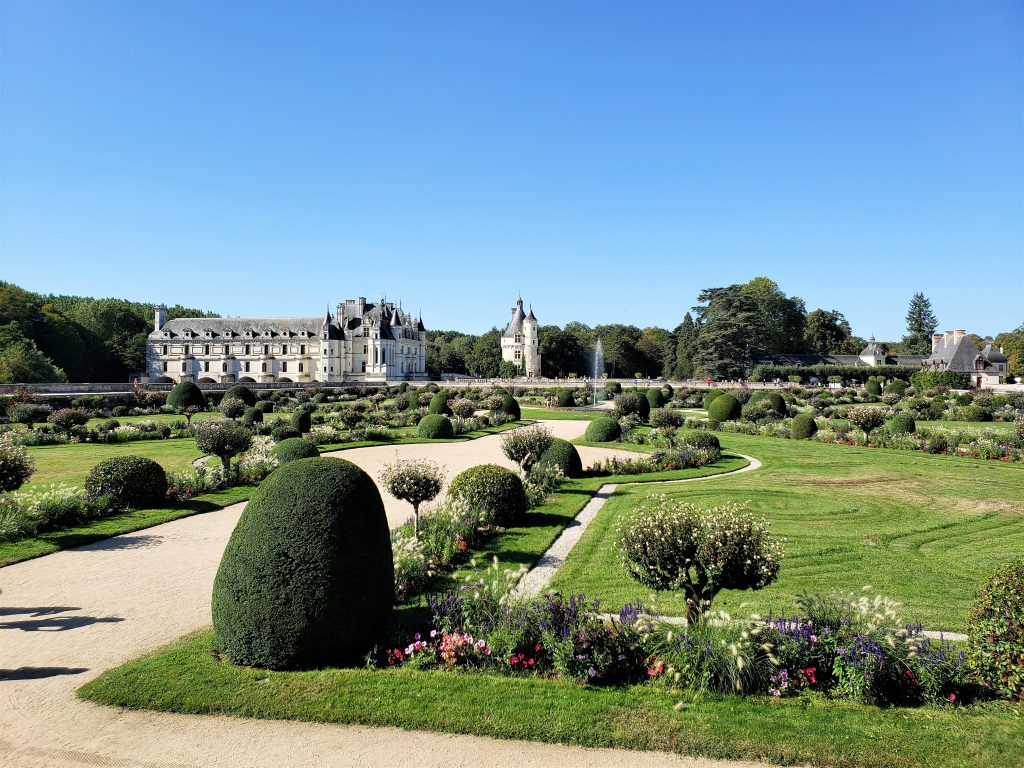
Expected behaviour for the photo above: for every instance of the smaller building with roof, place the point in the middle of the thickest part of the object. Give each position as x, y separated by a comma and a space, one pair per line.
520, 344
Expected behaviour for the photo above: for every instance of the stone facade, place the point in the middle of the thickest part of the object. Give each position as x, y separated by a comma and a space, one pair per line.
366, 342
520, 344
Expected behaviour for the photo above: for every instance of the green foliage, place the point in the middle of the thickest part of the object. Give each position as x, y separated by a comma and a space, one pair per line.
21, 361
897, 387
307, 578
725, 407
564, 398
127, 482
700, 438
901, 424
435, 426
223, 439
508, 370
16, 466
510, 407
923, 380
836, 373
301, 421
673, 545
185, 394
232, 407
526, 445
803, 427
66, 419
439, 404
414, 481
632, 402
971, 413
282, 432
996, 631
603, 429
866, 419
611, 389
293, 448
921, 324
563, 454
241, 392
667, 418
252, 416
655, 398
774, 399
873, 387
710, 396
824, 332
496, 492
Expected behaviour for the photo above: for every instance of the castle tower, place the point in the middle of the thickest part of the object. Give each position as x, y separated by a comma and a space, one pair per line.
520, 343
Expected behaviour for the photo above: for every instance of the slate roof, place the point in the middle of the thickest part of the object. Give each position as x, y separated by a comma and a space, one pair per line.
515, 326
225, 328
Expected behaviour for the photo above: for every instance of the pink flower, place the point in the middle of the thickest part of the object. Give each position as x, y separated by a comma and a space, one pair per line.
952, 697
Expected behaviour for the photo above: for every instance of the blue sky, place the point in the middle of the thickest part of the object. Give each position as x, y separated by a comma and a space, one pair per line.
608, 160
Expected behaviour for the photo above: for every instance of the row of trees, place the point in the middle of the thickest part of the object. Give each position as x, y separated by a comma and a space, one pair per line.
73, 338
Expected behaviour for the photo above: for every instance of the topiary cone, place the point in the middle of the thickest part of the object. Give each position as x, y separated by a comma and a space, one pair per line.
306, 579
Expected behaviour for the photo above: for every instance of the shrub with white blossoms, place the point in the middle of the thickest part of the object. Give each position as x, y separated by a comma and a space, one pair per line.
414, 481
259, 461
16, 466
670, 544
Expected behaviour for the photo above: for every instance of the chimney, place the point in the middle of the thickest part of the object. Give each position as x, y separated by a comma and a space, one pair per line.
160, 317
936, 343
947, 339
361, 305
958, 335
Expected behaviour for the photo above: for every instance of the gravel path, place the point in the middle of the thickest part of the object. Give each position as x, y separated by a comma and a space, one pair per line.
67, 617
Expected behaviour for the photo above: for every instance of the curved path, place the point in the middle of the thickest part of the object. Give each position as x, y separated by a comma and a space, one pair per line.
67, 617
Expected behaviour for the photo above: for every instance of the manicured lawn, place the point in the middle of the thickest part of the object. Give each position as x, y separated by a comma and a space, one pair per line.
87, 533
970, 426
71, 463
187, 677
158, 418
925, 530
556, 415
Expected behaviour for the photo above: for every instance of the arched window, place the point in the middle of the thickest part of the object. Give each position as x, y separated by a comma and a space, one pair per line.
223, 367
300, 367
263, 367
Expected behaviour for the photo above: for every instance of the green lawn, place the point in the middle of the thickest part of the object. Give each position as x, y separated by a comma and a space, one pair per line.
159, 418
187, 677
557, 415
925, 530
71, 463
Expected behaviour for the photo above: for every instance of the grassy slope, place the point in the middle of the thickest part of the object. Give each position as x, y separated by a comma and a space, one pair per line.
187, 677
925, 530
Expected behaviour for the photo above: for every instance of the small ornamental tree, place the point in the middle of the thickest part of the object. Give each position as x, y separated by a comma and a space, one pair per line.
866, 419
67, 419
16, 466
223, 439
526, 445
232, 407
671, 545
189, 411
462, 407
413, 481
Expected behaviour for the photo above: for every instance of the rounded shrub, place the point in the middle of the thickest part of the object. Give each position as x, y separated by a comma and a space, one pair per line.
563, 454
995, 639
655, 398
284, 432
252, 416
603, 429
803, 427
724, 408
971, 413
497, 492
435, 426
241, 392
667, 418
901, 424
127, 482
267, 406
668, 390
439, 404
774, 399
564, 398
306, 579
897, 386
632, 402
710, 396
611, 389
873, 387
294, 448
510, 407
185, 394
700, 438
301, 421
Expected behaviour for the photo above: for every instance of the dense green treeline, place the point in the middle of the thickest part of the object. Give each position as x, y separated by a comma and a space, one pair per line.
74, 338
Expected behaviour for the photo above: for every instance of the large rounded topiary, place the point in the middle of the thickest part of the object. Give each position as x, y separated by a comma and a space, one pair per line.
510, 407
655, 398
241, 392
252, 416
699, 438
434, 426
301, 421
873, 387
901, 424
185, 394
497, 492
306, 579
439, 404
603, 430
611, 389
804, 426
777, 402
710, 396
724, 408
127, 482
632, 402
995, 640
564, 398
294, 448
563, 454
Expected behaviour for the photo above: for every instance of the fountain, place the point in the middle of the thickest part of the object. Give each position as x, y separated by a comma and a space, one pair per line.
598, 367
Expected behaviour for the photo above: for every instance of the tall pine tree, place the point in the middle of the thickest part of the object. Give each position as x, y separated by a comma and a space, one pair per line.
921, 324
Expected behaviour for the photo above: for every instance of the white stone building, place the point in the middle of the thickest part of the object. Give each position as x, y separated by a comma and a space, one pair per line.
520, 344
363, 342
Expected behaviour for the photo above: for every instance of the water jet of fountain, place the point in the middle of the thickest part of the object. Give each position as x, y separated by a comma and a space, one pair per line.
598, 367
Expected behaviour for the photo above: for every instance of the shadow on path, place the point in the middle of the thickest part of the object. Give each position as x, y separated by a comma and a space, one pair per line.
58, 623
47, 611
37, 673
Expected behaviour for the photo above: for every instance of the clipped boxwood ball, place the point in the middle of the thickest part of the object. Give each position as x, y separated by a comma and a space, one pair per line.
710, 396
700, 438
563, 454
128, 482
873, 387
603, 429
241, 392
252, 416
306, 579
186, 395
439, 404
497, 492
434, 426
901, 424
294, 448
301, 421
776, 400
565, 399
724, 408
804, 426
510, 406
655, 399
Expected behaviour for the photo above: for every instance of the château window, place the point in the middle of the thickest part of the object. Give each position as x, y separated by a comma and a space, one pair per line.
165, 367
186, 349
300, 367
382, 356
247, 350
206, 367
364, 366
263, 367
223, 367
246, 366
366, 348
517, 354
302, 349
266, 349
284, 367
183, 368
165, 349
206, 349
